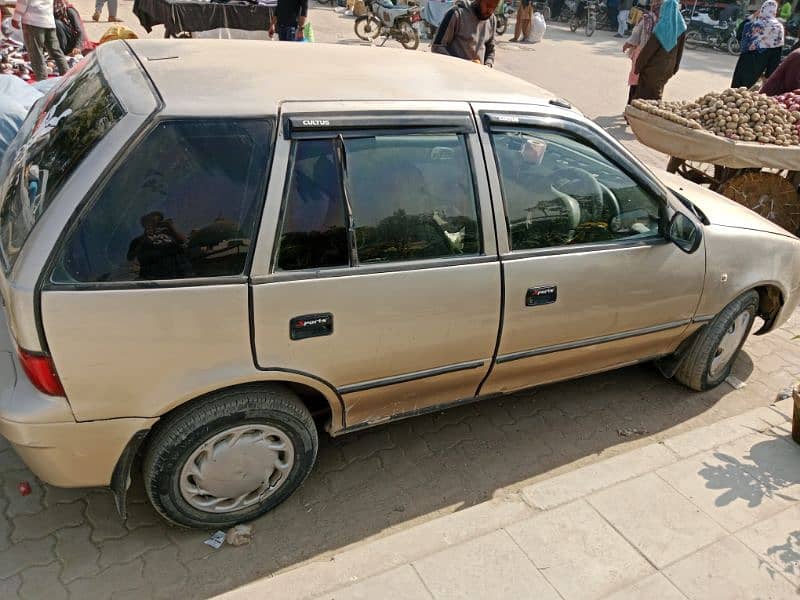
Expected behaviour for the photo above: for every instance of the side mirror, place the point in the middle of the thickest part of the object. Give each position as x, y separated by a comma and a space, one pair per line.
684, 233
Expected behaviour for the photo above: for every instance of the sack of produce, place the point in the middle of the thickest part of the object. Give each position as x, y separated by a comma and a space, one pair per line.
791, 102
538, 27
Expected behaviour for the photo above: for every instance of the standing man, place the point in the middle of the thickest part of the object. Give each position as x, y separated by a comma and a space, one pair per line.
290, 17
467, 32
622, 17
39, 33
522, 28
612, 9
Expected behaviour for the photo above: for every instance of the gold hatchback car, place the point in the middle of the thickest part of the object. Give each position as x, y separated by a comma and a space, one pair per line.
205, 263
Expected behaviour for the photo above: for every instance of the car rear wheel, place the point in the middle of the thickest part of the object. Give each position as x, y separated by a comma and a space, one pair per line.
710, 358
229, 457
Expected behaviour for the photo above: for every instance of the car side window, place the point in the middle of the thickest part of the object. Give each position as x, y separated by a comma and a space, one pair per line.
313, 233
560, 191
397, 197
183, 204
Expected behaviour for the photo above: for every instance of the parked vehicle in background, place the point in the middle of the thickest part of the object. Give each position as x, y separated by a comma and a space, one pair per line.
503, 14
385, 19
720, 35
585, 17
210, 285
568, 10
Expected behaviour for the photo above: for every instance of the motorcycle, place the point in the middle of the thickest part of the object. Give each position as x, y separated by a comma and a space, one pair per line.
568, 11
713, 34
385, 19
586, 18
503, 14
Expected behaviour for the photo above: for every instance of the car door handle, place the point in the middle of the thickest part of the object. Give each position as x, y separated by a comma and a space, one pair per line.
544, 294
306, 326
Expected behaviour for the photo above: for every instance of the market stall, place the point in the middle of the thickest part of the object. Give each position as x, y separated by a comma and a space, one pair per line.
181, 18
740, 143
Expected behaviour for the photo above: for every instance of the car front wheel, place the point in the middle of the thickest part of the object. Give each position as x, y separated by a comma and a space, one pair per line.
710, 358
229, 457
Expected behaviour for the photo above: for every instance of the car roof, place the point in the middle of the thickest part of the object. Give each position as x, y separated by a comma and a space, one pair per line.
252, 78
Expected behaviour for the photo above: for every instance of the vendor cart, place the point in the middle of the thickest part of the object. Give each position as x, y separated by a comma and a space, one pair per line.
181, 18
762, 177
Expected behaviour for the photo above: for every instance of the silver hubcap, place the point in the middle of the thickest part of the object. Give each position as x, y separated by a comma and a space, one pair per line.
729, 343
237, 468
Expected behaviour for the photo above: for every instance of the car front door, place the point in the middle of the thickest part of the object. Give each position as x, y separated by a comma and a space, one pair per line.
591, 282
377, 269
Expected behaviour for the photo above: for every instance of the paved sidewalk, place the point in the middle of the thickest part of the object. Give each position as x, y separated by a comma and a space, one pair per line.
711, 513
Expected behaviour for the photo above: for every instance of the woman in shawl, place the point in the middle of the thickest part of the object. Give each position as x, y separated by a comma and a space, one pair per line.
762, 43
69, 29
637, 40
660, 57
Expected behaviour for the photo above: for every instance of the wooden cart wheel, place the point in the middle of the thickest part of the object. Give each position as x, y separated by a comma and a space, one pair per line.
768, 194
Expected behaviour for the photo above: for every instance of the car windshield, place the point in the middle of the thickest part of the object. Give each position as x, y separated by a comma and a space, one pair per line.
58, 133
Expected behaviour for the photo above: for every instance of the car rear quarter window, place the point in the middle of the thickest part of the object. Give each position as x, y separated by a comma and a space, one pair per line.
392, 198
60, 130
183, 204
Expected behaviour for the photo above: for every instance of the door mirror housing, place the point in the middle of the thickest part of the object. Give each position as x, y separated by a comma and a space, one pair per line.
684, 233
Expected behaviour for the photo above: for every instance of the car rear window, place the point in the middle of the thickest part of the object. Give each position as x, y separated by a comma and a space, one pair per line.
58, 133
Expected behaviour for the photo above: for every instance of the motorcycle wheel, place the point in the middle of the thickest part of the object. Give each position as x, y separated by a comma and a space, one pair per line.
591, 25
409, 38
734, 47
573, 25
502, 25
693, 40
367, 28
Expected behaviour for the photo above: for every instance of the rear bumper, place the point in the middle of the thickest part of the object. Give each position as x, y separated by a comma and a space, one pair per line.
59, 450
72, 454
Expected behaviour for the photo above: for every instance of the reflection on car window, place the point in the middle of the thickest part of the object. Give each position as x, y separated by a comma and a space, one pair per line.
411, 197
559, 191
185, 203
60, 130
313, 233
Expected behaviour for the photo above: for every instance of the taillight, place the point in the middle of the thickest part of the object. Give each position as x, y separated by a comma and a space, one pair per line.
41, 372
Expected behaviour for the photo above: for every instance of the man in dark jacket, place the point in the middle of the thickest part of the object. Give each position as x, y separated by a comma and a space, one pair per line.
467, 32
290, 18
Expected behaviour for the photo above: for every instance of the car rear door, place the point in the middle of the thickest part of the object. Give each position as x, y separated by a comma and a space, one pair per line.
591, 282
376, 268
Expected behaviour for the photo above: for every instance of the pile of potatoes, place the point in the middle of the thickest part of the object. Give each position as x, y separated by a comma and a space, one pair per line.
738, 114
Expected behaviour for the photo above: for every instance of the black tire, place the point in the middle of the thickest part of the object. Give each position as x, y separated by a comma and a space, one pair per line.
695, 369
573, 25
591, 25
178, 435
734, 46
693, 40
409, 37
501, 25
367, 28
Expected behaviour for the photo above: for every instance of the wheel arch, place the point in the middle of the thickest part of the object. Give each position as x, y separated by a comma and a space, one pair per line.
318, 396
771, 299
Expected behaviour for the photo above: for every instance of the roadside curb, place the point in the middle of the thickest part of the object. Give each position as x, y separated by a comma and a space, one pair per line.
371, 558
